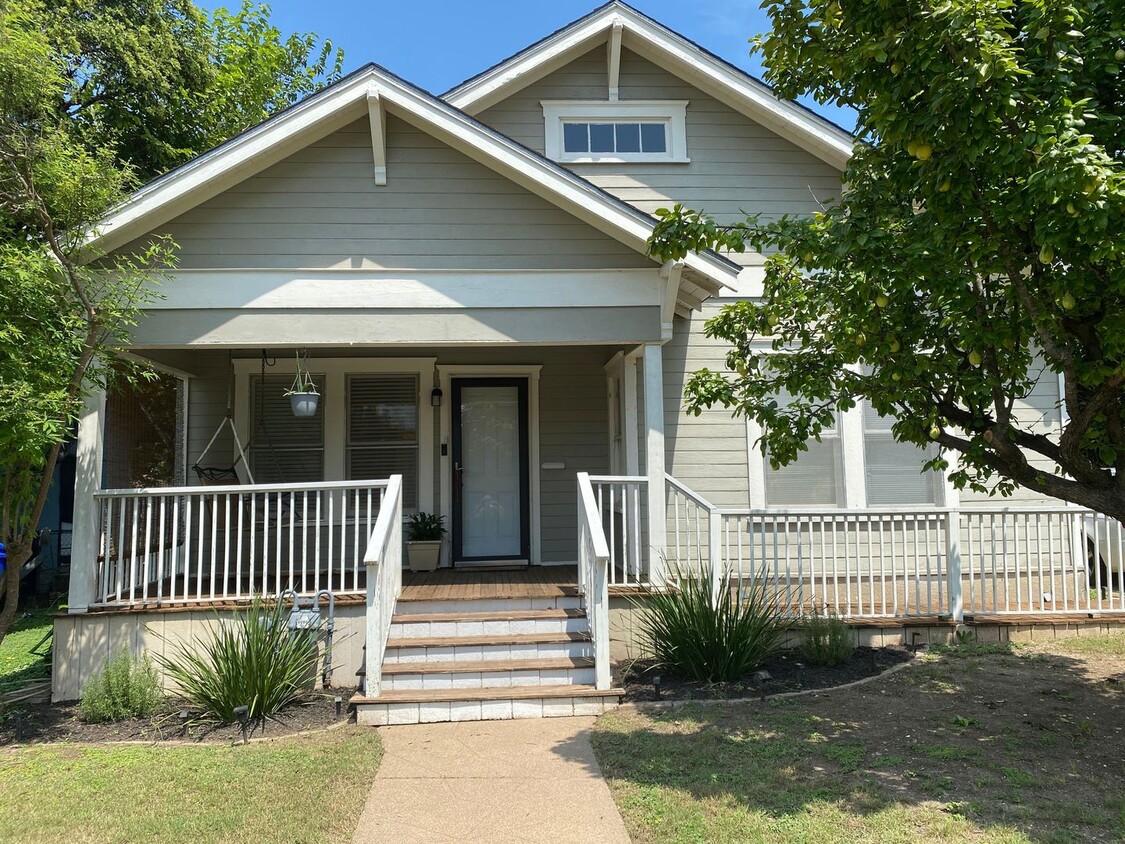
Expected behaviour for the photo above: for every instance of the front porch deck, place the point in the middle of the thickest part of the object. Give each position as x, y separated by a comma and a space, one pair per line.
466, 584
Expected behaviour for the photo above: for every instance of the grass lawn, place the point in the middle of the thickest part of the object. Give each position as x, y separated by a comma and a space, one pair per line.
19, 664
979, 743
295, 790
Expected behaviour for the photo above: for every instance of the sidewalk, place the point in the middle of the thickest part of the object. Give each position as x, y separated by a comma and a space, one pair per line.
528, 780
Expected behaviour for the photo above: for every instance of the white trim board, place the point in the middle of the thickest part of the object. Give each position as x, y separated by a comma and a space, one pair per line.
531, 371
674, 53
411, 290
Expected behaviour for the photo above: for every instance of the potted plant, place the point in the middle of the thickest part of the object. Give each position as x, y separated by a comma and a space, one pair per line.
424, 535
303, 395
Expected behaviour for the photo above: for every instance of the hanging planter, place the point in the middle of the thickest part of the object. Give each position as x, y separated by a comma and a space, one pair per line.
303, 395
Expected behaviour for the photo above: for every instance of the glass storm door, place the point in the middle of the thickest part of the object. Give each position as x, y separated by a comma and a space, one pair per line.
490, 470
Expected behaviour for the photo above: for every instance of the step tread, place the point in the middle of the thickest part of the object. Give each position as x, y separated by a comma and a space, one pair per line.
499, 639
487, 615
479, 666
492, 693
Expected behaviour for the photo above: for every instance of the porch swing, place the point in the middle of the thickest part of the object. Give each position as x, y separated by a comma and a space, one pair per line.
228, 475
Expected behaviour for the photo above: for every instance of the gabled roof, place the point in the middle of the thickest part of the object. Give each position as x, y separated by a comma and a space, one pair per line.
671, 51
348, 100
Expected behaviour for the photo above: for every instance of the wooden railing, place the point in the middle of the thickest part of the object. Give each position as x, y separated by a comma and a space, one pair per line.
593, 575
906, 562
383, 559
621, 501
183, 545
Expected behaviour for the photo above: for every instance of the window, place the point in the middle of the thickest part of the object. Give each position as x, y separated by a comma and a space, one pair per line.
383, 430
892, 470
633, 130
813, 479
284, 448
649, 138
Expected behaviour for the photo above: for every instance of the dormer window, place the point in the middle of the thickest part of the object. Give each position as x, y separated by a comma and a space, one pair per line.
582, 132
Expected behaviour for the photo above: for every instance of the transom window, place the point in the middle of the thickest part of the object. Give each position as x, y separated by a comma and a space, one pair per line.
593, 132
615, 137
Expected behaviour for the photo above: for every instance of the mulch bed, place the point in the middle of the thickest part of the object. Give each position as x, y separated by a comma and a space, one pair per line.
59, 722
787, 671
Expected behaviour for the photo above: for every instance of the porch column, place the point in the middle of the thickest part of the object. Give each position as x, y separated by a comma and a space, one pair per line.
654, 462
632, 427
87, 481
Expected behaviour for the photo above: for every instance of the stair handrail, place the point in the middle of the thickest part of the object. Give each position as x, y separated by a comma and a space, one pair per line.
593, 576
383, 559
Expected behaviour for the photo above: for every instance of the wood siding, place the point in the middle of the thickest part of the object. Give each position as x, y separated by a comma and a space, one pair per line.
320, 208
737, 166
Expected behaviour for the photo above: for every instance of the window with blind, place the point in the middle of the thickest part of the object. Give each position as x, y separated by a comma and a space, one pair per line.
814, 479
893, 470
382, 437
284, 448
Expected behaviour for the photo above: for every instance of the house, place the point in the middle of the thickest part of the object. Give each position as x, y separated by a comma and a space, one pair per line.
465, 280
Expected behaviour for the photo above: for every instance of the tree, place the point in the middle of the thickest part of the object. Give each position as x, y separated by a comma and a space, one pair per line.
976, 248
95, 96
161, 81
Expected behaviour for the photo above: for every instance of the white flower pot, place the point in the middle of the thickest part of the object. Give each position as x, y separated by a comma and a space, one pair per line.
303, 404
424, 556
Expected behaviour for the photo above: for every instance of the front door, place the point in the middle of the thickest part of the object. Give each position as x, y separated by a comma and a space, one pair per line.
490, 471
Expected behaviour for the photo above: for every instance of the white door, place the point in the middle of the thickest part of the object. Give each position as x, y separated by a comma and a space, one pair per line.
490, 469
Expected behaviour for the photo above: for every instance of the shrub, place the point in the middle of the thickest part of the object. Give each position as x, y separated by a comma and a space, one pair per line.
707, 637
125, 688
253, 661
826, 639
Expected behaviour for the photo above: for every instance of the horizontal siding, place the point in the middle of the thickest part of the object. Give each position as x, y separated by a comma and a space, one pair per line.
737, 166
320, 208
705, 452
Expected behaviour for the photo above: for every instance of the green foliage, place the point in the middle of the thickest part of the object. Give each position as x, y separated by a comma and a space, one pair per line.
974, 254
125, 688
425, 527
253, 661
712, 638
96, 95
826, 639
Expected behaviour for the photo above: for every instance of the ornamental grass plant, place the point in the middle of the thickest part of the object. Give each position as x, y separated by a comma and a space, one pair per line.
254, 660
711, 635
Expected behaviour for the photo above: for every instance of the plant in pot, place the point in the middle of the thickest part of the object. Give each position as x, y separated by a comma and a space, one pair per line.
303, 394
425, 533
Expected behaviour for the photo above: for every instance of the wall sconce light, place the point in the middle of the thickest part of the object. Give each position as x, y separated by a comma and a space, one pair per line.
435, 397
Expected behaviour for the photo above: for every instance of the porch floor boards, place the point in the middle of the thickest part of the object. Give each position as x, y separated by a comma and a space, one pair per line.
469, 585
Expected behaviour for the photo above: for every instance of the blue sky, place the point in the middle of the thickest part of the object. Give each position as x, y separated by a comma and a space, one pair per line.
438, 43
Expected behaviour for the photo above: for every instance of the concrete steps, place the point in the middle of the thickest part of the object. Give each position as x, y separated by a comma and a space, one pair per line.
488, 659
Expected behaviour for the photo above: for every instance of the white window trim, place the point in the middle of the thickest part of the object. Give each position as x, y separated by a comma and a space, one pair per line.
334, 406
446, 374
671, 112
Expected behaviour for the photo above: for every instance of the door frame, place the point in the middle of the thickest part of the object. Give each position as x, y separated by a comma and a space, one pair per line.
523, 444
446, 374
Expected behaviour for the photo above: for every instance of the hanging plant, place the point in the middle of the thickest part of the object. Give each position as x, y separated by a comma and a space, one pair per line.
303, 394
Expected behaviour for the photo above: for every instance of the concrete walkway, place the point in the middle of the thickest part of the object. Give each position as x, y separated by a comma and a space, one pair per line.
533, 780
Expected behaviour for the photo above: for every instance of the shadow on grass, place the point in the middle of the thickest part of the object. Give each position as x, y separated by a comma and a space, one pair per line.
987, 740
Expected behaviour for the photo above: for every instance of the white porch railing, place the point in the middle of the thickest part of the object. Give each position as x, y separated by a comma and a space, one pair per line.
182, 545
383, 559
902, 563
621, 501
593, 575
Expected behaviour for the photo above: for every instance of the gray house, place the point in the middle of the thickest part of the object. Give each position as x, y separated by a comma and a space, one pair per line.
464, 281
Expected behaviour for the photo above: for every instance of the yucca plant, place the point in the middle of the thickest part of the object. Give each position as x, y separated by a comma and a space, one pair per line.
253, 661
712, 637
